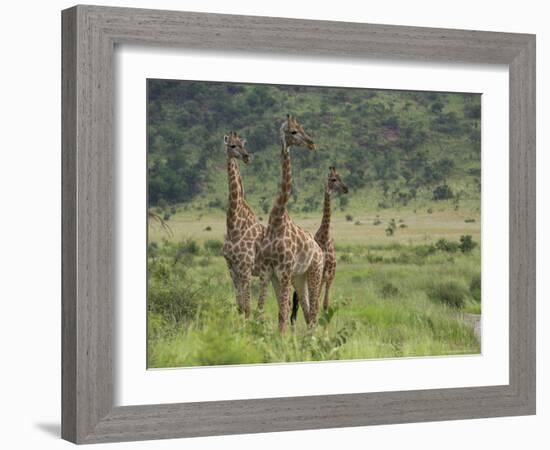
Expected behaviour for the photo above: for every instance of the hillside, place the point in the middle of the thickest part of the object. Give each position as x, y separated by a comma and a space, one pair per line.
393, 148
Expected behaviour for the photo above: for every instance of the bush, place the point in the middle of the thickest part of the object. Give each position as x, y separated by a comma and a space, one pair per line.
344, 201
171, 294
448, 293
377, 222
162, 204
349, 217
390, 230
186, 249
430, 210
213, 246
389, 290
467, 244
346, 258
469, 220
216, 203
447, 246
208, 228
424, 250
443, 192
166, 216
475, 288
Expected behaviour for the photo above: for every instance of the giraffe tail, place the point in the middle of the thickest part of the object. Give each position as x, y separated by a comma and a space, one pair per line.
295, 305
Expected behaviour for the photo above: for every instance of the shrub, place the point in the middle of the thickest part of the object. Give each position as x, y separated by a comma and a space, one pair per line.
166, 216
446, 246
403, 225
208, 228
358, 222
216, 203
152, 249
343, 202
377, 222
469, 220
475, 287
213, 246
467, 244
389, 290
374, 258
443, 192
430, 210
171, 293
390, 230
186, 249
448, 293
162, 204
424, 250
346, 258
349, 217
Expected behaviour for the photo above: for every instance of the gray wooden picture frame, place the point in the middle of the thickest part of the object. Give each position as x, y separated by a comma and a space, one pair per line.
90, 34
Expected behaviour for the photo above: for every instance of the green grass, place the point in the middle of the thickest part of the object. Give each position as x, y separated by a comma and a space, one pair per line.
390, 297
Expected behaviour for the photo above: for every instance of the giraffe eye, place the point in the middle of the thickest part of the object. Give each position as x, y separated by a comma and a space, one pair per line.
293, 132
233, 146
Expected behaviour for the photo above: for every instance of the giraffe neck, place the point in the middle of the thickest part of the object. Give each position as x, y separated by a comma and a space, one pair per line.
236, 193
239, 214
323, 233
279, 209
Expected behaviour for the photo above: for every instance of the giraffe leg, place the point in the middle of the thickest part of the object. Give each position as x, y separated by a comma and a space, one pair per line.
283, 298
314, 278
265, 275
300, 284
328, 283
238, 290
245, 293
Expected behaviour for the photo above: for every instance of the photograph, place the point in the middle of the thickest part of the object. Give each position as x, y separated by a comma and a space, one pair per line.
292, 224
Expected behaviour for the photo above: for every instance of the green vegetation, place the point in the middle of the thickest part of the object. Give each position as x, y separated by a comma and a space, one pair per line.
407, 235
399, 296
393, 148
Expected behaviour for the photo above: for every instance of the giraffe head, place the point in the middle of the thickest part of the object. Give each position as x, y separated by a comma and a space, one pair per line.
236, 147
294, 134
335, 182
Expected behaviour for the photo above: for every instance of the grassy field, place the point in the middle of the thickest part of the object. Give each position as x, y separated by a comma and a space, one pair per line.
399, 293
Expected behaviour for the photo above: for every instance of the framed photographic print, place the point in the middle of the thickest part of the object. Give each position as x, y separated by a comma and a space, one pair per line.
278, 224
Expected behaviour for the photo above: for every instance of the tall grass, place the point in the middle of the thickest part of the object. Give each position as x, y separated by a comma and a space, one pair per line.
387, 301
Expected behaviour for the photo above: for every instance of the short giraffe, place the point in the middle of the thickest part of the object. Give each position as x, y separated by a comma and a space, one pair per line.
289, 255
322, 237
244, 232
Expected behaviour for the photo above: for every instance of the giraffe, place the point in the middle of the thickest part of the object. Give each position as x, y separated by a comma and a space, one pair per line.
244, 232
289, 255
322, 237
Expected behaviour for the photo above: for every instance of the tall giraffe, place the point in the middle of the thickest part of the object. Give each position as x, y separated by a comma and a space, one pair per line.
322, 237
244, 232
289, 255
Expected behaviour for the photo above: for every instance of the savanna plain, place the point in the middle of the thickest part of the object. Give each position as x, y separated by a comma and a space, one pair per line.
407, 235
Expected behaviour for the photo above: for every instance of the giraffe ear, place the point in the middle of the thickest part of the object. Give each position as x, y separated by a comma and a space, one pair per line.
225, 139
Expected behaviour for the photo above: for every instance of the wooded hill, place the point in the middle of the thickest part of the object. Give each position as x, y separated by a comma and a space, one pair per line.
391, 147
